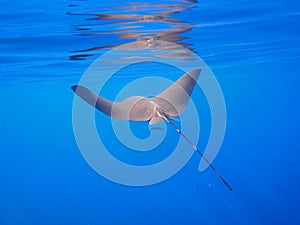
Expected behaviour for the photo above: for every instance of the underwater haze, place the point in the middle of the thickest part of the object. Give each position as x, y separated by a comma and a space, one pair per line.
252, 48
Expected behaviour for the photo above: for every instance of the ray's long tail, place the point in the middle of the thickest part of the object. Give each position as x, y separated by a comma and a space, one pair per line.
196, 149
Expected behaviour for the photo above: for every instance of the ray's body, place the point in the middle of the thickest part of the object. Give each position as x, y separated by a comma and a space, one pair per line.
162, 107
171, 102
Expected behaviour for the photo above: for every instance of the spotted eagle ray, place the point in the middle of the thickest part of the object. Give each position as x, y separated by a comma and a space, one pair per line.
162, 107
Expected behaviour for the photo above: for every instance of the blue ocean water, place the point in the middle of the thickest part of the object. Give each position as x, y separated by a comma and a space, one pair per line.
252, 47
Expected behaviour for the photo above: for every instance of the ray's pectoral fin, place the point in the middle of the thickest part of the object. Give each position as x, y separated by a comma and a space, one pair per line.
93, 99
173, 100
179, 93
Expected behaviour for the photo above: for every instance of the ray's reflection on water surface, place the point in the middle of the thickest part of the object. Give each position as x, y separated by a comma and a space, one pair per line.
144, 22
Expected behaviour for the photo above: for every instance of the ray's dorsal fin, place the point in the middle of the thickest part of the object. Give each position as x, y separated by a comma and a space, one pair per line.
156, 120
